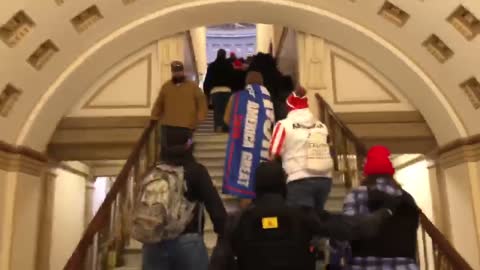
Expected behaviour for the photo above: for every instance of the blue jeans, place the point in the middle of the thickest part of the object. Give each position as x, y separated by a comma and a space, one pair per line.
310, 192
187, 252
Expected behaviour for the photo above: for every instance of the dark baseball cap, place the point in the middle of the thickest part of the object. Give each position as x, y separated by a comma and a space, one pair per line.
176, 66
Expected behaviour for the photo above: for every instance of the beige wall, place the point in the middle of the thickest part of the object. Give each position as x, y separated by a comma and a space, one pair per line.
199, 40
68, 213
26, 219
464, 235
478, 169
127, 88
347, 82
415, 180
3, 187
277, 37
6, 218
287, 58
264, 37
439, 199
130, 87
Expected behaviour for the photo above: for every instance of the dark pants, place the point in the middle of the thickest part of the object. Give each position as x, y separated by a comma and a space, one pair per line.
309, 192
220, 101
169, 133
187, 252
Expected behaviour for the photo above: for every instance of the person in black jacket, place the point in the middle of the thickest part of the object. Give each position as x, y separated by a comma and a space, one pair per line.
273, 236
188, 251
279, 85
401, 229
218, 87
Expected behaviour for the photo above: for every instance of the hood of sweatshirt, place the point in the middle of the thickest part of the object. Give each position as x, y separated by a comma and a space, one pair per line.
302, 116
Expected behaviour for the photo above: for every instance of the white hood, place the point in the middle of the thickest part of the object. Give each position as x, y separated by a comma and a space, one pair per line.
302, 116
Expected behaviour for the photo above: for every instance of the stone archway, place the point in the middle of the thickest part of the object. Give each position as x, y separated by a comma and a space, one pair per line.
68, 87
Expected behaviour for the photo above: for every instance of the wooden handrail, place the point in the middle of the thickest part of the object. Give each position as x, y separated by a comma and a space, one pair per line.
345, 130
102, 216
455, 259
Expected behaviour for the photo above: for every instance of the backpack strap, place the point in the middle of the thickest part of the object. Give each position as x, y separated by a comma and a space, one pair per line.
201, 209
201, 206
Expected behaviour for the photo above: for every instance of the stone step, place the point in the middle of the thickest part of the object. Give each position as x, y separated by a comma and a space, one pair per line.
208, 142
215, 172
204, 155
213, 152
207, 123
334, 205
133, 258
220, 138
212, 163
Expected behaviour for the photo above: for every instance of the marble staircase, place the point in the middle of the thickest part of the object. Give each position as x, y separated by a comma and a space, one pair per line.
210, 150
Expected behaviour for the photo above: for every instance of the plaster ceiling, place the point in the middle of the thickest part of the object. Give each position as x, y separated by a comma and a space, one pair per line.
122, 27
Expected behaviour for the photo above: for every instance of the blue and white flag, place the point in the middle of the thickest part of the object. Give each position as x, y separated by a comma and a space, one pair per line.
251, 125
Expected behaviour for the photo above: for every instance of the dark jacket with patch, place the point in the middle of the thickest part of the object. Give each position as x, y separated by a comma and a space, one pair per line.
272, 236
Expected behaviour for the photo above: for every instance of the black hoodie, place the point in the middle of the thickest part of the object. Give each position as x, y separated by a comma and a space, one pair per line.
179, 152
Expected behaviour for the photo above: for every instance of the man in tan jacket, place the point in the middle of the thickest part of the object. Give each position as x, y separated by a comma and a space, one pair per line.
181, 104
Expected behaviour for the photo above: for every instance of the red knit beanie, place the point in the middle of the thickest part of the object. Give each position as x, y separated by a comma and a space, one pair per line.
297, 99
237, 64
378, 161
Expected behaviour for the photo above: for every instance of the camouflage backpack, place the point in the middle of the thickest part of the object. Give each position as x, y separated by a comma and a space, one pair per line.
161, 210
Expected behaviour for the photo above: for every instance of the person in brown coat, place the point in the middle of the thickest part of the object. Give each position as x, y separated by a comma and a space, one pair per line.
181, 104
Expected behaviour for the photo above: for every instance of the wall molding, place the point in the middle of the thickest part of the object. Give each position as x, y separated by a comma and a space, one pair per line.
335, 55
23, 159
14, 158
66, 167
410, 162
458, 152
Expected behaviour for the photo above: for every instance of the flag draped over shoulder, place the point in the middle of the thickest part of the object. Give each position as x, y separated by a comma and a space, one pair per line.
251, 121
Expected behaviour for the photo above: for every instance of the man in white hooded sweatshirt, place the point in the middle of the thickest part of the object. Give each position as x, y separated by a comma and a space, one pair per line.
301, 141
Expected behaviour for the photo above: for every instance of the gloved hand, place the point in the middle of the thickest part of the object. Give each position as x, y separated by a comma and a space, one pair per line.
378, 200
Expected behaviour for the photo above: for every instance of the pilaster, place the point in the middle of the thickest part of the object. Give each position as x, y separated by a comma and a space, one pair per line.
457, 178
170, 49
21, 172
312, 59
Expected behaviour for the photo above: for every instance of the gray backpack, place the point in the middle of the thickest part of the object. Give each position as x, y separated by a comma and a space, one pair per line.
161, 210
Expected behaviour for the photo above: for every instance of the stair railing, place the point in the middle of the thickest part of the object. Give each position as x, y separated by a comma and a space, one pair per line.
105, 238
436, 251
349, 153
